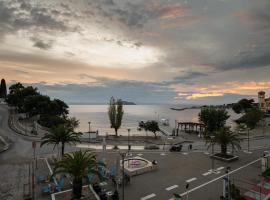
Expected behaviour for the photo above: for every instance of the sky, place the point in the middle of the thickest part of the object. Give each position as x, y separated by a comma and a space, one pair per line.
145, 51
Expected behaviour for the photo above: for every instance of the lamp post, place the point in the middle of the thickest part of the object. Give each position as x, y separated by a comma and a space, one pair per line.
123, 175
248, 138
89, 130
187, 186
212, 162
129, 147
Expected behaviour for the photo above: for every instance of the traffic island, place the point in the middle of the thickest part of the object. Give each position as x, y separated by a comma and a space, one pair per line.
138, 165
225, 157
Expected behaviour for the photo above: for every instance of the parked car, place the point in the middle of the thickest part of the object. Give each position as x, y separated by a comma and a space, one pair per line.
176, 147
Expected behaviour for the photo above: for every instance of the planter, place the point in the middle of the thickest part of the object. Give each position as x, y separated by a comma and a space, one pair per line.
226, 158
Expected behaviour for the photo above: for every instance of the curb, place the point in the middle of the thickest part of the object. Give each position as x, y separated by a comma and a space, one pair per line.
6, 147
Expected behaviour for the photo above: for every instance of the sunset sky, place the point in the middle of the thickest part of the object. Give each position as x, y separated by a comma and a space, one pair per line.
146, 51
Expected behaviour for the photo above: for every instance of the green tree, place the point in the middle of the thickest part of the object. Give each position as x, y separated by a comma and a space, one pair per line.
115, 113
251, 118
37, 105
3, 89
244, 105
151, 126
72, 123
15, 87
50, 121
224, 137
59, 107
78, 164
18, 94
213, 118
60, 135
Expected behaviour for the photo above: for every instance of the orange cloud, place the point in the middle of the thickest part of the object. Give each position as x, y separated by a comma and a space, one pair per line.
200, 95
242, 88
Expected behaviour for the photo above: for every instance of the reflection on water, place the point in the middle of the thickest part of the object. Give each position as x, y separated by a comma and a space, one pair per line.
97, 115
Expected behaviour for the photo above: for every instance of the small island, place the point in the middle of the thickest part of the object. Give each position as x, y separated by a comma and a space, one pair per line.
128, 103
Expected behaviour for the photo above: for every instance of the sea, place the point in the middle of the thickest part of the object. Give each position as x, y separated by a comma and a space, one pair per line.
98, 116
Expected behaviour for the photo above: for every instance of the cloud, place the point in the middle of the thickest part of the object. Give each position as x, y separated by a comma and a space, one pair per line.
44, 45
201, 95
137, 14
25, 16
257, 57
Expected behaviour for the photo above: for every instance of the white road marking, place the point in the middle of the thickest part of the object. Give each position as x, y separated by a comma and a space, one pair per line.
220, 177
220, 168
163, 154
206, 153
148, 196
207, 173
172, 187
185, 153
190, 180
139, 154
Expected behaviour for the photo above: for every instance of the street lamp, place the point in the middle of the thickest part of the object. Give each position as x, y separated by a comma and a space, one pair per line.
123, 175
187, 186
212, 162
89, 130
129, 147
248, 138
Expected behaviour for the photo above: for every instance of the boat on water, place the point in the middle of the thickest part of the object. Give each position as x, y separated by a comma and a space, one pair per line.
165, 122
178, 109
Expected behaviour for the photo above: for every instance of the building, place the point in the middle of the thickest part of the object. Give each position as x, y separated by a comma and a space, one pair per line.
264, 103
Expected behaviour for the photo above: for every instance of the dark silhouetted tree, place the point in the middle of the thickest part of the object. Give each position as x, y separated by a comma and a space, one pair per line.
115, 113
3, 89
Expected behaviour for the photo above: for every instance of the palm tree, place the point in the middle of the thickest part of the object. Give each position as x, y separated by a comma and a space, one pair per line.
60, 135
224, 137
78, 164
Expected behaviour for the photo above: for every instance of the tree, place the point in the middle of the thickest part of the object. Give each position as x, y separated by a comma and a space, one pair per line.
224, 137
243, 105
115, 113
18, 94
3, 89
15, 87
237, 108
213, 118
59, 107
151, 126
60, 135
251, 118
78, 164
37, 105
72, 123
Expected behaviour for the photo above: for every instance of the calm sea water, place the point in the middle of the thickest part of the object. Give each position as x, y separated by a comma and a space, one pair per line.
97, 115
